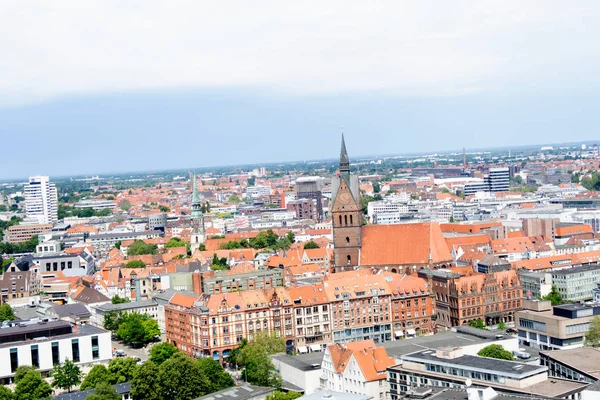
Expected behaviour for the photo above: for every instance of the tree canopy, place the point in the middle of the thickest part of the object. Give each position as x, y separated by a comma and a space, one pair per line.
32, 387
495, 351
554, 296
161, 352
98, 374
477, 323
310, 245
119, 300
254, 357
135, 264
139, 247
218, 378
104, 391
66, 375
278, 395
592, 337
122, 369
176, 242
6, 313
181, 378
137, 329
145, 385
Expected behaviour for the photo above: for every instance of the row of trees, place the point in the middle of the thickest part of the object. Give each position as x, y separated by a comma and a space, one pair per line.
134, 328
23, 247
264, 239
68, 211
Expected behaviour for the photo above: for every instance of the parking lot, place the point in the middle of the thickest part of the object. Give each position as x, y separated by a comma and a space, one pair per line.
142, 352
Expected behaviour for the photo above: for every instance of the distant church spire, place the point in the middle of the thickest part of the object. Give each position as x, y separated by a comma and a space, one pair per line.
344, 160
198, 234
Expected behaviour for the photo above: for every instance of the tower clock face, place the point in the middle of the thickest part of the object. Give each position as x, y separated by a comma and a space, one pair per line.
345, 197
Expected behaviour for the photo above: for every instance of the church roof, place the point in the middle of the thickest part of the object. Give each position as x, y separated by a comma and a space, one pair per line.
403, 244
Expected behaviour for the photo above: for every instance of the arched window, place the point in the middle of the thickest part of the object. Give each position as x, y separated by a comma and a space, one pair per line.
351, 223
340, 220
346, 220
349, 260
347, 240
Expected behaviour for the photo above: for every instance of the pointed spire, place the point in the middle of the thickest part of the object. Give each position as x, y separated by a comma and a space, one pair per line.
195, 196
344, 160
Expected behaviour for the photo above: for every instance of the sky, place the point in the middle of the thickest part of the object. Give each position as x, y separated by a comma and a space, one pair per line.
90, 87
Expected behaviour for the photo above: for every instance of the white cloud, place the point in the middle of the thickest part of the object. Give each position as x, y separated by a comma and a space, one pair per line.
55, 48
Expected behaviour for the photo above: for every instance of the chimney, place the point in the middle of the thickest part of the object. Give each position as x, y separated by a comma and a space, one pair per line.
197, 282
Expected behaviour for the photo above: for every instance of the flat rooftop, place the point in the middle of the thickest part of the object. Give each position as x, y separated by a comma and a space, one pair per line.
243, 392
584, 359
302, 362
481, 364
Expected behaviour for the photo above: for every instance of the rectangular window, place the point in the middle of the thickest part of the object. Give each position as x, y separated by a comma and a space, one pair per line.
14, 360
533, 325
35, 356
55, 353
75, 349
95, 348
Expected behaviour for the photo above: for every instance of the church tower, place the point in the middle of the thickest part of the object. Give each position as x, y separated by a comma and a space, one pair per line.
198, 235
347, 217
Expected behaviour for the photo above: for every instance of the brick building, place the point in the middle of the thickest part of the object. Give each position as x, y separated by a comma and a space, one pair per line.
462, 295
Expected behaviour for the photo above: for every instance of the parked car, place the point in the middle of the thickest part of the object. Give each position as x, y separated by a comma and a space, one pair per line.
119, 353
521, 354
511, 331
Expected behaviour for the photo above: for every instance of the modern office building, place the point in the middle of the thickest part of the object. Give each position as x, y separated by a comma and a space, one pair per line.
579, 364
309, 187
22, 233
45, 343
41, 200
497, 179
157, 222
577, 283
545, 327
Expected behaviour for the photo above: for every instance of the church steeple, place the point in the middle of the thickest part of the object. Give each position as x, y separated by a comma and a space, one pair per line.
198, 233
344, 160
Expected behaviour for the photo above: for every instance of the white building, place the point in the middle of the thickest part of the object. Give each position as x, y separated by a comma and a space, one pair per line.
357, 368
45, 344
384, 206
41, 200
255, 192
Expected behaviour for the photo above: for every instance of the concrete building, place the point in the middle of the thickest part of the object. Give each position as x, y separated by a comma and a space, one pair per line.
497, 179
545, 327
157, 222
149, 307
41, 200
304, 208
22, 233
596, 293
576, 283
309, 187
300, 373
258, 191
96, 204
104, 242
545, 227
225, 282
580, 364
44, 344
535, 284
69, 264
243, 392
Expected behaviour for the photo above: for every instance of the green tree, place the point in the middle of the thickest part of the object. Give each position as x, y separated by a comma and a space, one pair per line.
22, 371
138, 329
364, 202
554, 296
291, 237
502, 325
176, 242
98, 374
451, 220
477, 323
139, 247
278, 395
119, 300
135, 264
254, 357
181, 378
376, 189
112, 320
118, 244
32, 387
592, 337
145, 385
234, 198
122, 369
104, 391
6, 313
161, 352
66, 375
125, 205
310, 245
164, 209
495, 351
6, 393
217, 376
